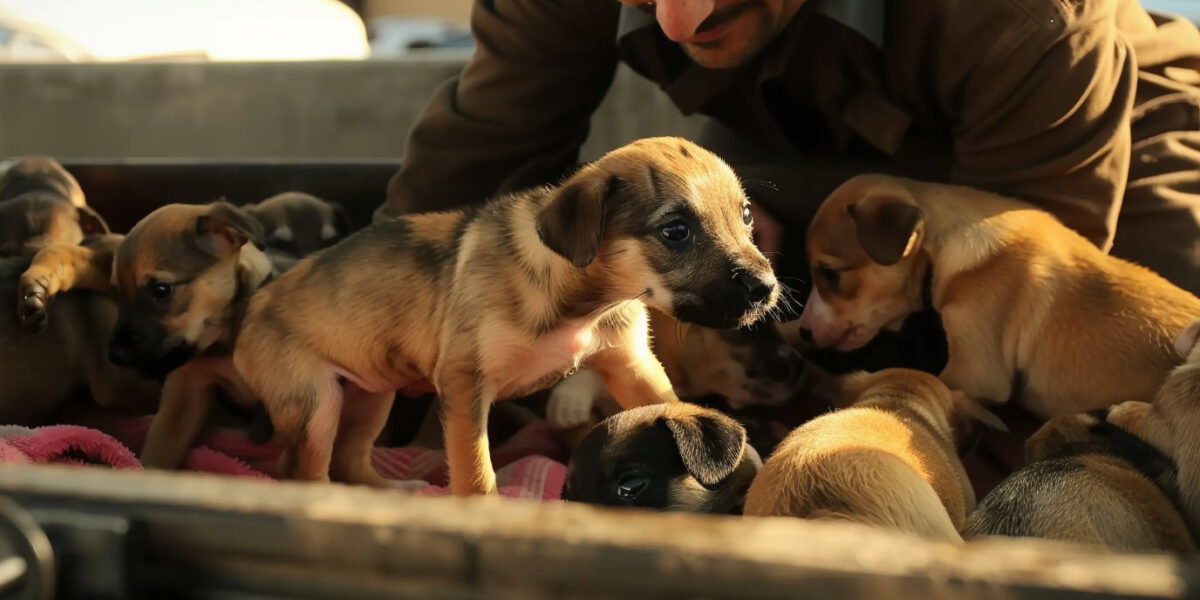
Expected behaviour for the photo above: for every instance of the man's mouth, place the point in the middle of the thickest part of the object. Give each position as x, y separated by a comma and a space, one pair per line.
717, 24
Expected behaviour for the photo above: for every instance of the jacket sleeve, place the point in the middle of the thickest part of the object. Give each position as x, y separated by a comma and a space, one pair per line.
520, 110
1044, 114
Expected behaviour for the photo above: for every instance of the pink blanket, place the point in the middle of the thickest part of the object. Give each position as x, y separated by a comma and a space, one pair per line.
528, 465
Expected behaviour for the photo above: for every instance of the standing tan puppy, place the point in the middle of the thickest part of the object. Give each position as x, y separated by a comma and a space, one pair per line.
1088, 481
890, 459
501, 301
1030, 307
1172, 422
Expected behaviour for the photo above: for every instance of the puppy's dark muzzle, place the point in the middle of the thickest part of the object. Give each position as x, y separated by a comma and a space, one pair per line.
148, 354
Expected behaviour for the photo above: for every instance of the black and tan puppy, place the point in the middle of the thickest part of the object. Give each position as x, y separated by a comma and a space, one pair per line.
673, 457
501, 301
41, 203
1172, 421
296, 224
890, 459
1090, 482
180, 278
40, 370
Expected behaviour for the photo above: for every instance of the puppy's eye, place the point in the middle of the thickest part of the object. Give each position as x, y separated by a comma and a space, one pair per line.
676, 232
747, 216
161, 291
830, 275
631, 485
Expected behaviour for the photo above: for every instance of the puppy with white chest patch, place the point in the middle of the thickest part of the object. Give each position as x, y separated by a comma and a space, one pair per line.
890, 459
1031, 309
500, 301
1088, 481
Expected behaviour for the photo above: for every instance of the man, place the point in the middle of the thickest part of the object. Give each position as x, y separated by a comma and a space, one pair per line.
1084, 107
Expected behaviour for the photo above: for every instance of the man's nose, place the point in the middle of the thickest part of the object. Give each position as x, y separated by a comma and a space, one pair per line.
680, 18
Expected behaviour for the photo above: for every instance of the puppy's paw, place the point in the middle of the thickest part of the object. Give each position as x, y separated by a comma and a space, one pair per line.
35, 293
571, 401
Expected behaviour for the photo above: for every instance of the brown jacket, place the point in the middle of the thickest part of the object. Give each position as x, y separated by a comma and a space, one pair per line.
1034, 98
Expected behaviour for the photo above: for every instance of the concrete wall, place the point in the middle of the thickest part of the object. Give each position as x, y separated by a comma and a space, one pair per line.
323, 110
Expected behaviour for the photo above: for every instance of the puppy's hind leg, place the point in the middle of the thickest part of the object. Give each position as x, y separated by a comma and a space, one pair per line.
363, 417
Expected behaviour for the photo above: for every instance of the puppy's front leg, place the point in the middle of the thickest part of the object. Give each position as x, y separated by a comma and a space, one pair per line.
976, 365
187, 397
58, 268
633, 376
465, 400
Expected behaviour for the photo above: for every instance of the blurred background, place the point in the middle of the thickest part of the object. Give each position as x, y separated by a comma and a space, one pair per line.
252, 79
249, 79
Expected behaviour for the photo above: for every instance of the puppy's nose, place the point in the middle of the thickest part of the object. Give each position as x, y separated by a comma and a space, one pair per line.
757, 290
806, 334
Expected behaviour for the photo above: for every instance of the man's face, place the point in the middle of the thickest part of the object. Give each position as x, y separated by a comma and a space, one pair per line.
720, 34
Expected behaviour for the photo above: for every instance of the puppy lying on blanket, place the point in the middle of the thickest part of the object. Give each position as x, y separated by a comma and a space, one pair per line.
501, 301
1030, 308
890, 459
1088, 481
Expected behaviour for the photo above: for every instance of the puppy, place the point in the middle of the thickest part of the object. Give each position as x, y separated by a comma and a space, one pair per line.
500, 301
39, 371
1170, 423
180, 278
296, 224
890, 459
1030, 308
1090, 482
41, 203
744, 367
41, 174
672, 457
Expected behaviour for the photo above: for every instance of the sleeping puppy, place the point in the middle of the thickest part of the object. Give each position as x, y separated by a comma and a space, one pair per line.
1091, 482
672, 457
296, 224
40, 204
1172, 421
1030, 308
890, 459
500, 301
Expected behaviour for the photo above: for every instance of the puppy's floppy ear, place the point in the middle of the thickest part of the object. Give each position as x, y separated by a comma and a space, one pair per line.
710, 444
1187, 339
572, 225
91, 222
888, 228
226, 228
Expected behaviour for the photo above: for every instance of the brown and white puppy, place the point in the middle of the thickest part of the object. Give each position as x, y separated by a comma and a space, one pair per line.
1088, 481
40, 370
500, 301
41, 203
1172, 421
296, 224
180, 278
890, 459
672, 457
1030, 308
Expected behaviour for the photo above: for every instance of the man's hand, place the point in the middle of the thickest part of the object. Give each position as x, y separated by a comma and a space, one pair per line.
768, 233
